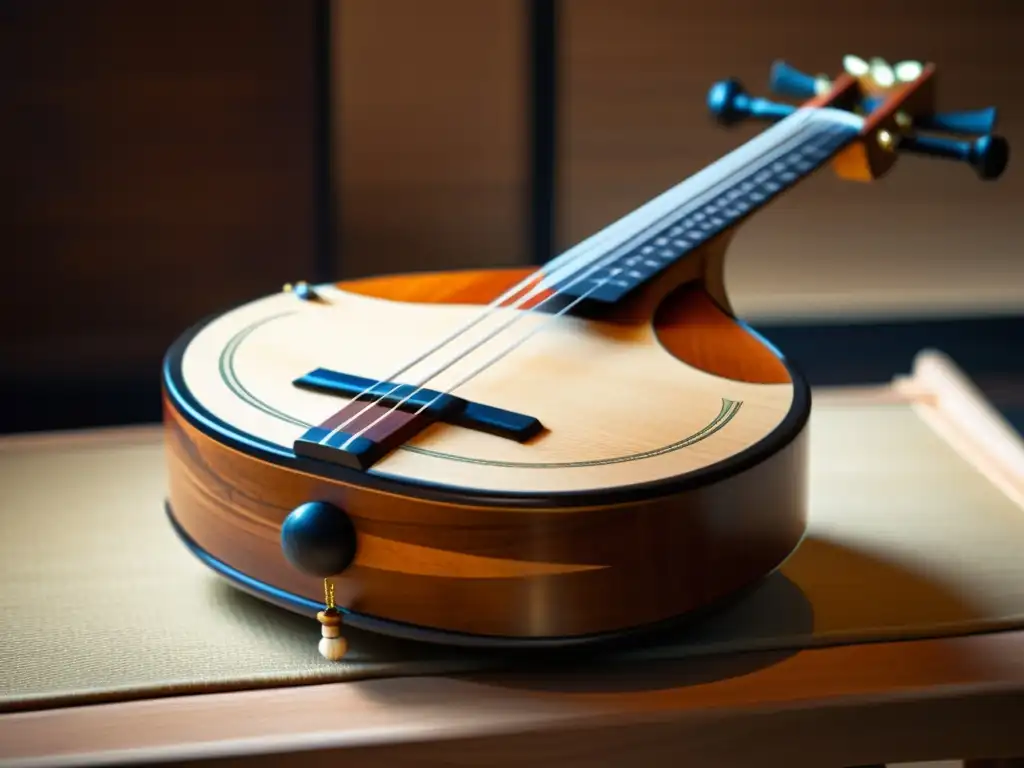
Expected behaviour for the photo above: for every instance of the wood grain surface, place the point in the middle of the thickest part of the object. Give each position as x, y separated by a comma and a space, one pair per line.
854, 705
470, 565
430, 134
158, 167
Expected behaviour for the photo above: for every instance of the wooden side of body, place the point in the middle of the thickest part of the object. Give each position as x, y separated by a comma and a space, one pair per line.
523, 566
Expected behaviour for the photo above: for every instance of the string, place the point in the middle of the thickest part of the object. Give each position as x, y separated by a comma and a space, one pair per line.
496, 304
563, 263
609, 258
466, 352
507, 350
329, 594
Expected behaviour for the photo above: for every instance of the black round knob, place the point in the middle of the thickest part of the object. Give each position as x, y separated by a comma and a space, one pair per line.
319, 539
728, 102
989, 156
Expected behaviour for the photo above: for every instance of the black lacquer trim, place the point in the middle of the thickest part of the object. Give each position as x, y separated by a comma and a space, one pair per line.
302, 605
789, 428
442, 406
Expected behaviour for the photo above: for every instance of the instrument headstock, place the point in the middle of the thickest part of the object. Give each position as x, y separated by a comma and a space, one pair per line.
897, 103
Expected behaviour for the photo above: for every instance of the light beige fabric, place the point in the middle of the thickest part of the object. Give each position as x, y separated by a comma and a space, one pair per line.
99, 600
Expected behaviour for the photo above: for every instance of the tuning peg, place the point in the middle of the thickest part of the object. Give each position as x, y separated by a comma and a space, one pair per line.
975, 122
789, 81
971, 123
988, 155
729, 104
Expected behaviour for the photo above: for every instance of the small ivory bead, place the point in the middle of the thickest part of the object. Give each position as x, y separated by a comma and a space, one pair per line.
332, 648
329, 618
329, 631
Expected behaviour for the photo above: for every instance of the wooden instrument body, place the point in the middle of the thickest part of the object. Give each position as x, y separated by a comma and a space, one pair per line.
671, 468
670, 475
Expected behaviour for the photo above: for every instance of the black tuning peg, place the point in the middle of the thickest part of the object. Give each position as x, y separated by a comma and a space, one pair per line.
789, 81
973, 122
730, 103
988, 155
970, 123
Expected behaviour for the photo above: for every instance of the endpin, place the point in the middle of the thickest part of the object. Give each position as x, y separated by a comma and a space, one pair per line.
332, 646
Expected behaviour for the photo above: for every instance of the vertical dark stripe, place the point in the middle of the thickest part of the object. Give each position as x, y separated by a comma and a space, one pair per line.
542, 108
324, 137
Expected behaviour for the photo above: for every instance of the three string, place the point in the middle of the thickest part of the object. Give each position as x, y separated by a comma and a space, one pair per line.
537, 279
419, 386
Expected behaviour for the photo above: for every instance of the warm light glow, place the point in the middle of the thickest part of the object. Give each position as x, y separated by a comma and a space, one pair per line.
908, 71
855, 65
882, 73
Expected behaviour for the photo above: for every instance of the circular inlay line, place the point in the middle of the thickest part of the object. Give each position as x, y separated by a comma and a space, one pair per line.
226, 365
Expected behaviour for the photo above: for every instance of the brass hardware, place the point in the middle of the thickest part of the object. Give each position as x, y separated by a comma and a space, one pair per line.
880, 72
855, 66
908, 71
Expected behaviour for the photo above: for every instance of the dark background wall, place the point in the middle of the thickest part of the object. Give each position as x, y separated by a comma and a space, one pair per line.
158, 164
162, 161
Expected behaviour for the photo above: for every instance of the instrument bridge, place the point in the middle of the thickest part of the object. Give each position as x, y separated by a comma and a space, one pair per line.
383, 415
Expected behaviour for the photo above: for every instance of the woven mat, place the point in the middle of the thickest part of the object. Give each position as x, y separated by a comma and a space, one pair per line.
100, 601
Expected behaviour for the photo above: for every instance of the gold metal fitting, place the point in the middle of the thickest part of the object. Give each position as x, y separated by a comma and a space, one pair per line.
886, 141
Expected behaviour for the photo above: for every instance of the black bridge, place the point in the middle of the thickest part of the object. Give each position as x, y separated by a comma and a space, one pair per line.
329, 442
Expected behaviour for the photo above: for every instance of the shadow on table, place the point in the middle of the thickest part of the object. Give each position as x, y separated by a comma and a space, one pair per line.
847, 596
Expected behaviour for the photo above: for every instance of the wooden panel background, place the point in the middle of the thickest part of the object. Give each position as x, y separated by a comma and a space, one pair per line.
929, 239
158, 166
430, 134
160, 162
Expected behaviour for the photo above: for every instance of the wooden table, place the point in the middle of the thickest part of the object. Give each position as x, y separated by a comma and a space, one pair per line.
856, 705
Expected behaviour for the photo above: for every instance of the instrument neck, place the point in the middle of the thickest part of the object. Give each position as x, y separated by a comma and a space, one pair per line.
627, 254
